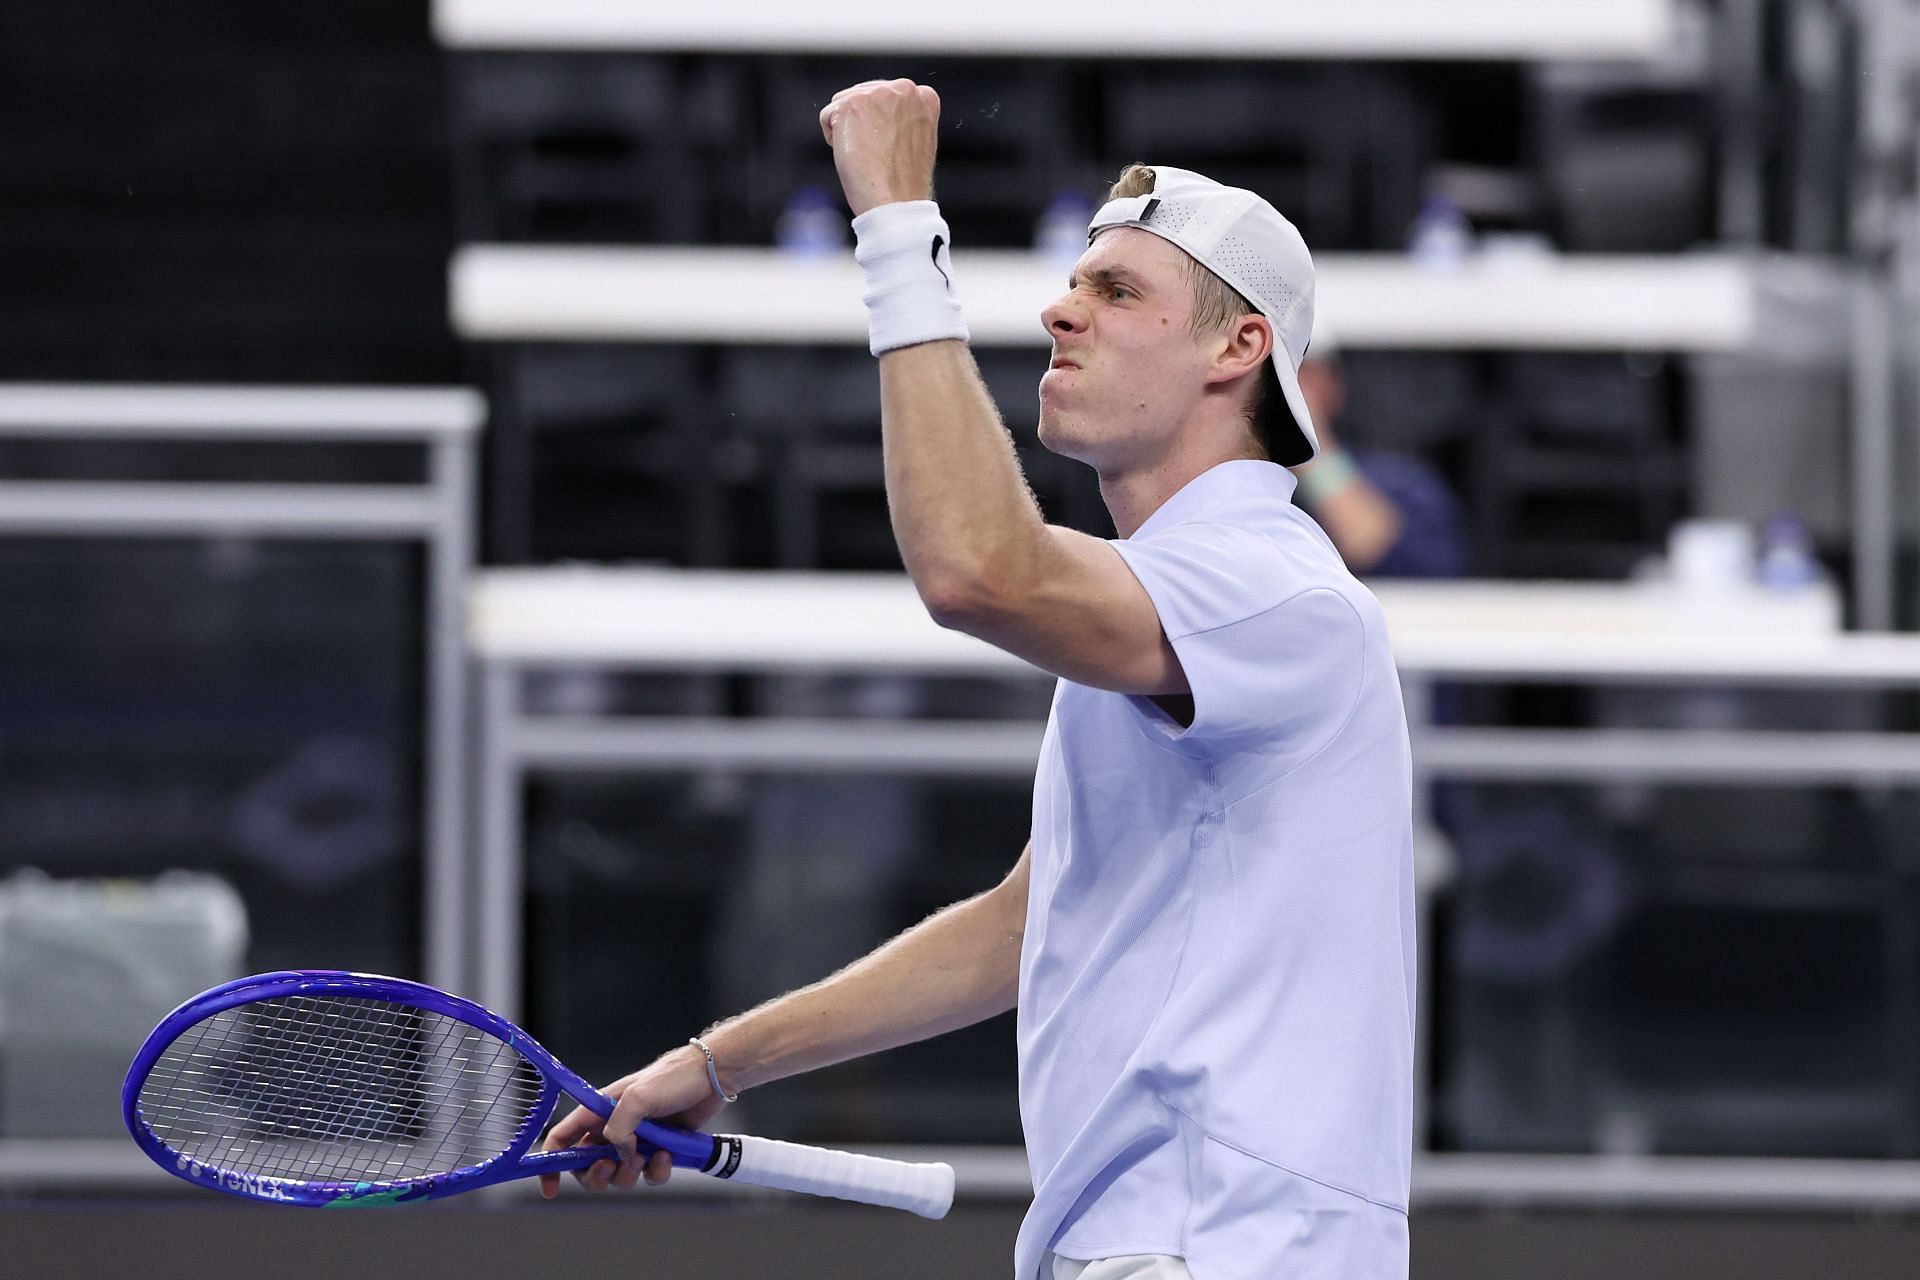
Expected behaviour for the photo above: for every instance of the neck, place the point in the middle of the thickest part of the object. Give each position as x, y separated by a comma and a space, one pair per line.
1214, 431
1134, 495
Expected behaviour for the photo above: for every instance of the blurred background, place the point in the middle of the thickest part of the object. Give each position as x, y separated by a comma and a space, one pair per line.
442, 533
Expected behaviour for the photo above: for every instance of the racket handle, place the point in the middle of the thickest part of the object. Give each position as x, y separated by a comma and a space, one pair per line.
925, 1189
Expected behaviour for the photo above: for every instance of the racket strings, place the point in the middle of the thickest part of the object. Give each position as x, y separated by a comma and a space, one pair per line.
337, 1089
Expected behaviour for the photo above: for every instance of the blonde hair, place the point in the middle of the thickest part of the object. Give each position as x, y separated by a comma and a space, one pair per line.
1217, 304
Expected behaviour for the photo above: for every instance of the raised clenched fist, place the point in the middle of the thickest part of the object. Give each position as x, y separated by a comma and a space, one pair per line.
883, 134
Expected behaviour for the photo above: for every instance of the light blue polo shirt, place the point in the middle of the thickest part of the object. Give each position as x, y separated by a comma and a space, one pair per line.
1217, 983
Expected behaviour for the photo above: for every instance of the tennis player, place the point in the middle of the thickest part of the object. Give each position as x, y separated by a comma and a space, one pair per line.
1210, 935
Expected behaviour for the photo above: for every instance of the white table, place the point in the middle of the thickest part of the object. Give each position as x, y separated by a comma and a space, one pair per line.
701, 620
1530, 29
1709, 302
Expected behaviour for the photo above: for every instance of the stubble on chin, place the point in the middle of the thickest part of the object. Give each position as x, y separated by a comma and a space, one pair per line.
1048, 434
1058, 434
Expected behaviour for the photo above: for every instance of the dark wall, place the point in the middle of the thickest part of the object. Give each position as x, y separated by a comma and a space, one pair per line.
253, 190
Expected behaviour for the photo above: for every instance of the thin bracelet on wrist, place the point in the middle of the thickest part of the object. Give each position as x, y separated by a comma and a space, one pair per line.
713, 1070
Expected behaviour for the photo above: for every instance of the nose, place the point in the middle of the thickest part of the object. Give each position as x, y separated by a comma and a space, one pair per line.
1066, 315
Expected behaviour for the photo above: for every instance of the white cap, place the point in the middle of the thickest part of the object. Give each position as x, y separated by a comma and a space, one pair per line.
1247, 243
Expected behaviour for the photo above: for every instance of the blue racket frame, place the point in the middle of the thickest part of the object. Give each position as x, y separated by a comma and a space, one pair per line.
688, 1148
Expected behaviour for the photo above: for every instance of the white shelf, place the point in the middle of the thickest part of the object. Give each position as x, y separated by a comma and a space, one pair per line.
183, 411
666, 619
1522, 29
672, 619
1708, 302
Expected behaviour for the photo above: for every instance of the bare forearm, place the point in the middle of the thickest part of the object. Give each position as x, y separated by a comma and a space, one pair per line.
962, 512
955, 968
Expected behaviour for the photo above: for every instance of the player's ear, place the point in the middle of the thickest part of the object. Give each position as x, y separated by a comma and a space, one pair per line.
1244, 345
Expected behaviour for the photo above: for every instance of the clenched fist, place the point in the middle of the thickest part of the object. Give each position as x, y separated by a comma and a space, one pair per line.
883, 135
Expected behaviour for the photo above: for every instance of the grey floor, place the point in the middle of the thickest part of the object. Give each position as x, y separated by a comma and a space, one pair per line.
161, 1240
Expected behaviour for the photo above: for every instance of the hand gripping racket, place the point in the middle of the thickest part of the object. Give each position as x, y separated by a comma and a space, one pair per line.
342, 1089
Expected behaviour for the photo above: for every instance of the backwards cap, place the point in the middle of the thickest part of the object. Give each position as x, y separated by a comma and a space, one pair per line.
1247, 243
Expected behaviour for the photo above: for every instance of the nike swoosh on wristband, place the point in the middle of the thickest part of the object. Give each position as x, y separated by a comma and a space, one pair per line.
938, 241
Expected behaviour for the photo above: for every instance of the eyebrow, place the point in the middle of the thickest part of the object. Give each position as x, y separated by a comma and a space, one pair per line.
1106, 276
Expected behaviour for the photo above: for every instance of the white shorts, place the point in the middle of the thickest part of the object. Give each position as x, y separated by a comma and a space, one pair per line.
1139, 1266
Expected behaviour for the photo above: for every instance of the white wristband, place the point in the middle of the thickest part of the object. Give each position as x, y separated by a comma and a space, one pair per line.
904, 249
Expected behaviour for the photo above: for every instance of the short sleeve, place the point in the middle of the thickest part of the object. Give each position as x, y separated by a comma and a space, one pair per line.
1274, 652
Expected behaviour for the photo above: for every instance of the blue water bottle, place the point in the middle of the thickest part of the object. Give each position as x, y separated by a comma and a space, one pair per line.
1441, 236
812, 224
1787, 561
1061, 232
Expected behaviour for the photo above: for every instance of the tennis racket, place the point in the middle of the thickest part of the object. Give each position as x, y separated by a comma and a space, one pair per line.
343, 1089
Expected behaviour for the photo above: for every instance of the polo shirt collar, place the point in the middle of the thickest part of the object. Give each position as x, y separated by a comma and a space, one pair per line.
1219, 484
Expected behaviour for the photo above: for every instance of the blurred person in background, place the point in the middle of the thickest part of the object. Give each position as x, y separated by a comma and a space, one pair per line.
1209, 938
1392, 515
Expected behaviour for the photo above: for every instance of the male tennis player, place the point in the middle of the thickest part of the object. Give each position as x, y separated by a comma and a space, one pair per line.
1210, 935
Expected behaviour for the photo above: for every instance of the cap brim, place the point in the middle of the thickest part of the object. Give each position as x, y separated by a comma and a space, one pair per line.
1306, 446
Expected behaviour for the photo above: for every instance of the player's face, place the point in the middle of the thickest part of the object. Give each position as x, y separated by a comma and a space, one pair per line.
1126, 371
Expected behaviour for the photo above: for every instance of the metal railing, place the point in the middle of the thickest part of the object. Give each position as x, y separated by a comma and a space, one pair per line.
437, 512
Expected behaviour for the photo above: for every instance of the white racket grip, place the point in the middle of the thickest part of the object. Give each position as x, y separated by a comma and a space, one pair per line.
925, 1189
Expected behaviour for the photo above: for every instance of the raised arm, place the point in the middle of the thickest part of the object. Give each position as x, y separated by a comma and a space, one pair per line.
981, 556
971, 536
957, 967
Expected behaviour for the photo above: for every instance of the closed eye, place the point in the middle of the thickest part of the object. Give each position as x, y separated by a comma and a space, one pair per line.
1106, 281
